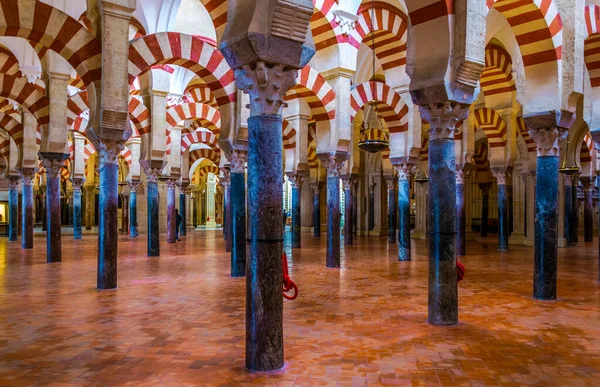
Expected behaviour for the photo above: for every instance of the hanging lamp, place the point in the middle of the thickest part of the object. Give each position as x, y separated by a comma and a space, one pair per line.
568, 169
421, 175
373, 138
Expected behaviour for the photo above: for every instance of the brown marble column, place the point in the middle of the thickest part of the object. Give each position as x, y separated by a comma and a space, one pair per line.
53, 163
588, 209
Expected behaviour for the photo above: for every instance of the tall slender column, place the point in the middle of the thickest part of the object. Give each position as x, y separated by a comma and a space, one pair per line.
460, 213
171, 217
316, 209
404, 253
355, 181
227, 214
392, 210
264, 303
569, 210
27, 210
296, 179
372, 206
153, 211
182, 210
108, 214
53, 163
575, 217
195, 205
332, 165
238, 213
443, 289
133, 221
502, 210
485, 207
89, 206
13, 209
77, 233
546, 209
588, 210
348, 236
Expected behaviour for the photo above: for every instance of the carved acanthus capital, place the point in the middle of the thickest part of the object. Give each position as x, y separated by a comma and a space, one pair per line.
27, 177
333, 163
224, 179
404, 171
53, 162
77, 184
238, 160
500, 177
13, 182
460, 176
296, 179
315, 188
347, 182
266, 87
569, 179
442, 118
109, 151
547, 140
346, 20
134, 185
390, 182
171, 183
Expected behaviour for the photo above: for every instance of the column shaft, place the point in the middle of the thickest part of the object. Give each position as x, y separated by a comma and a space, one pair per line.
227, 216
13, 210
238, 224
133, 222
153, 214
77, 233
53, 233
460, 219
348, 204
333, 222
502, 218
588, 213
404, 253
27, 213
316, 212
569, 210
392, 202
183, 213
108, 217
171, 216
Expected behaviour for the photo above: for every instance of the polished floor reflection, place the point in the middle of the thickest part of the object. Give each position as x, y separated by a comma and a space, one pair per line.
179, 319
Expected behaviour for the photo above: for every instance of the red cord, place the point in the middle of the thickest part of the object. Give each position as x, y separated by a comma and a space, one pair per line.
288, 284
460, 271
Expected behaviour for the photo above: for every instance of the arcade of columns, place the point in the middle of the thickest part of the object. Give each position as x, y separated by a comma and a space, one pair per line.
483, 103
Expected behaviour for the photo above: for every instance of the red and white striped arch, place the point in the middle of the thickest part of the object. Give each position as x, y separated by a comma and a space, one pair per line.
587, 146
317, 93
44, 25
193, 110
29, 95
204, 153
313, 159
496, 77
591, 48
424, 146
9, 63
492, 125
200, 94
199, 136
480, 157
390, 27
13, 127
205, 170
89, 150
289, 135
524, 132
139, 115
323, 25
218, 13
391, 107
537, 26
76, 105
190, 52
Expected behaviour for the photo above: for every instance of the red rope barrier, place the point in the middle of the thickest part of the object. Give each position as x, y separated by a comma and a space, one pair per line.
288, 284
460, 271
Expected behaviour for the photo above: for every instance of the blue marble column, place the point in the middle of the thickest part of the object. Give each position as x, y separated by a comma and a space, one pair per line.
53, 162
404, 253
316, 210
443, 286
485, 207
108, 214
588, 210
27, 211
502, 211
569, 210
153, 212
348, 203
333, 164
133, 221
195, 209
89, 207
460, 213
238, 215
392, 210
182, 211
227, 214
296, 180
171, 216
372, 206
13, 209
77, 232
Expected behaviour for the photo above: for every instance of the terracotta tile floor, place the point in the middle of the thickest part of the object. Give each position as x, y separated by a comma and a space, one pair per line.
179, 319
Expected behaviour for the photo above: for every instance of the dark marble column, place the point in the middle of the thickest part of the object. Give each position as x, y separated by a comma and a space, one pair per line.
296, 179
153, 210
89, 207
333, 165
171, 216
348, 234
77, 232
182, 211
404, 253
227, 214
392, 210
443, 287
133, 221
238, 213
316, 209
546, 209
511, 218
27, 210
502, 211
588, 210
108, 214
461, 218
372, 206
53, 163
568, 210
355, 203
575, 217
485, 207
195, 205
13, 208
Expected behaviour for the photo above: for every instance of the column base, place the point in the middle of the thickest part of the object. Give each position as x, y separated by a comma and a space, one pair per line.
562, 242
211, 224
529, 242
517, 239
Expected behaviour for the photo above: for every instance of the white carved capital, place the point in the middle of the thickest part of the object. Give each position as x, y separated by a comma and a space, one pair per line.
315, 188
460, 176
266, 87
500, 177
442, 118
404, 171
547, 140
332, 163
238, 161
109, 151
